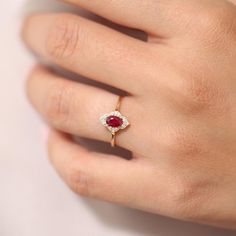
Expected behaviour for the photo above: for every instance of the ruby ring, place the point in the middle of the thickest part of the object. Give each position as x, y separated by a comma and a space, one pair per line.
114, 121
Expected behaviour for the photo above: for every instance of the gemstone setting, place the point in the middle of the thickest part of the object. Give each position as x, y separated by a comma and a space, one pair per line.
114, 121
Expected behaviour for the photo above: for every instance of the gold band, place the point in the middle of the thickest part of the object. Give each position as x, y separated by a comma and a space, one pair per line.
113, 140
113, 136
118, 105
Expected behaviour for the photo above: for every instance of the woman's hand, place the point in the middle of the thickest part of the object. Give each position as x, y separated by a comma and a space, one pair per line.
182, 103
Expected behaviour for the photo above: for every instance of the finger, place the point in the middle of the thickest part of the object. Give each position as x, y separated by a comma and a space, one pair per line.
150, 16
76, 108
232, 1
128, 13
101, 176
159, 18
90, 49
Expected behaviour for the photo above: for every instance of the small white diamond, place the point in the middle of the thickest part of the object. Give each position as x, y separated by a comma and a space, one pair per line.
113, 130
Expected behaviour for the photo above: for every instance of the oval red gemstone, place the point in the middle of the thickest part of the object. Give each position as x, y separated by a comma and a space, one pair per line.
114, 121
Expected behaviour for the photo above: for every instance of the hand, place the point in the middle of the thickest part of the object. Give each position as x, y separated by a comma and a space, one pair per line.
182, 104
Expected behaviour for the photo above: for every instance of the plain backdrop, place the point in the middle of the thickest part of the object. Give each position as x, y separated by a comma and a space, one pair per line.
33, 200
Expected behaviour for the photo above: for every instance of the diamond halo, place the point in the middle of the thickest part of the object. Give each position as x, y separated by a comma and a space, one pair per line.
103, 119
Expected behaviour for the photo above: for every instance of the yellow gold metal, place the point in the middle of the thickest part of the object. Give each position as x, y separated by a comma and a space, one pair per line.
118, 105
113, 136
113, 140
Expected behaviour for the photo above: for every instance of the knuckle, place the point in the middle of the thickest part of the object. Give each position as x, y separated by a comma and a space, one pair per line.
78, 181
181, 197
62, 40
217, 22
189, 198
199, 93
183, 142
59, 102
182, 192
196, 91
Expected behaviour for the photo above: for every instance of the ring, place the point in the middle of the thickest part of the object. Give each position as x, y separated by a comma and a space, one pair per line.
114, 121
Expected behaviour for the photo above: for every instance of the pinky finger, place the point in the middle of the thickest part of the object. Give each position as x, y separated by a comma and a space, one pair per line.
96, 175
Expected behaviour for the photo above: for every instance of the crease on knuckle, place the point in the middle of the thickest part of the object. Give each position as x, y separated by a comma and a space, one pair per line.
78, 181
189, 198
200, 93
63, 39
59, 103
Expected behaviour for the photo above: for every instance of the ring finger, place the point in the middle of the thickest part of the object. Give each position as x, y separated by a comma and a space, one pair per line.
75, 108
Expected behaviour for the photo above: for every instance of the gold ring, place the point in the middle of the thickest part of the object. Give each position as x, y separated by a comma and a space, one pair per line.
114, 121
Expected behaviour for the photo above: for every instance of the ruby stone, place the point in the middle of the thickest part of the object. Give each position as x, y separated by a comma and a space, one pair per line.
114, 121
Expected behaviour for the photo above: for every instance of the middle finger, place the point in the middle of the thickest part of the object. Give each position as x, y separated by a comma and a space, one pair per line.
90, 49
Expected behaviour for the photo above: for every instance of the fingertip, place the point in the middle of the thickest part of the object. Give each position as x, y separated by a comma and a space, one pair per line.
36, 72
27, 25
34, 29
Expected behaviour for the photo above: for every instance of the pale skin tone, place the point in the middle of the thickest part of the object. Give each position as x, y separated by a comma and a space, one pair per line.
181, 104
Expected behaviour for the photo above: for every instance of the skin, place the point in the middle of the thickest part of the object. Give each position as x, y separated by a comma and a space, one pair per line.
183, 82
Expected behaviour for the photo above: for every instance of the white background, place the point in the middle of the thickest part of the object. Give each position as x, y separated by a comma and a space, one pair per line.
33, 200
